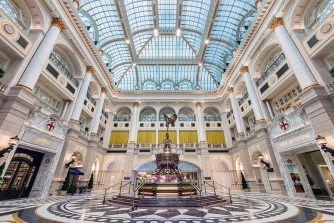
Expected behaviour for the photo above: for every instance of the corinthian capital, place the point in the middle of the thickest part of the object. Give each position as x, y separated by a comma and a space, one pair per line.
90, 70
57, 22
277, 21
198, 104
136, 104
230, 90
244, 69
104, 90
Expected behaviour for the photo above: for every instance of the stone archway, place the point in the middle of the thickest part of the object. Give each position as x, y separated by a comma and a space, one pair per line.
220, 172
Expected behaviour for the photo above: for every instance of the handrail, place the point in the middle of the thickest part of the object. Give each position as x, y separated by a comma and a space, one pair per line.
134, 194
200, 193
105, 193
229, 191
63, 69
120, 189
244, 97
270, 69
214, 189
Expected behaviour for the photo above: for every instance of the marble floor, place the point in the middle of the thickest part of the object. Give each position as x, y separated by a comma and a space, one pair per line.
246, 208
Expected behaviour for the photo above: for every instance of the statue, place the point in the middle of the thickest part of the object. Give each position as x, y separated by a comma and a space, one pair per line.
169, 120
112, 181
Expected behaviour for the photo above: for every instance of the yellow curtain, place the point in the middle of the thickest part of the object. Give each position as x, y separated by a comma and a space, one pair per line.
172, 136
215, 137
146, 137
119, 137
188, 136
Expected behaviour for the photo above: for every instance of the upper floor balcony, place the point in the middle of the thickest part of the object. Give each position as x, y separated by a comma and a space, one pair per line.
270, 70
212, 118
64, 70
245, 104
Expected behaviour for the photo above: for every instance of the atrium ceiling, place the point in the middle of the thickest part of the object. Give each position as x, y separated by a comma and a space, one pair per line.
188, 43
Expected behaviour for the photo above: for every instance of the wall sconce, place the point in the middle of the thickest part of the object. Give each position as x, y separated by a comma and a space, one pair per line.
264, 162
67, 165
322, 142
12, 142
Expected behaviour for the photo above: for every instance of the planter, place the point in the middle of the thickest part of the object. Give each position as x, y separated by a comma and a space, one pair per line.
248, 129
62, 192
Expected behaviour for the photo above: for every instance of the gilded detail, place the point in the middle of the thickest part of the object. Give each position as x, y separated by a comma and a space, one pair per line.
90, 70
277, 21
198, 104
230, 90
136, 104
57, 22
104, 90
244, 69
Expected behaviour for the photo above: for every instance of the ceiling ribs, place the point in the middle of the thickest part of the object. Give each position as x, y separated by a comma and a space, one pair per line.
141, 49
121, 78
194, 51
179, 14
155, 14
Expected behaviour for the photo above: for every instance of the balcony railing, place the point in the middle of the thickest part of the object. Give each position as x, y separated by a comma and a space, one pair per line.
105, 114
148, 119
271, 69
122, 119
63, 69
91, 98
229, 114
243, 99
187, 119
211, 119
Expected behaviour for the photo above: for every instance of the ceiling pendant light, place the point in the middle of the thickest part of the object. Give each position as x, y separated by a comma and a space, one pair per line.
178, 32
156, 32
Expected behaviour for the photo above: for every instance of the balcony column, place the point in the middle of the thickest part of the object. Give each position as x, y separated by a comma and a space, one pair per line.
67, 102
82, 94
269, 109
235, 111
200, 123
298, 65
99, 110
133, 122
42, 54
252, 94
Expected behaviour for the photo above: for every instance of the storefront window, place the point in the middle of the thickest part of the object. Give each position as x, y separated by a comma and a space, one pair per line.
296, 179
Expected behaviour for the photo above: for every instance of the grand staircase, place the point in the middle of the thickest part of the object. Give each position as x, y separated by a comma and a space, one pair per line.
163, 202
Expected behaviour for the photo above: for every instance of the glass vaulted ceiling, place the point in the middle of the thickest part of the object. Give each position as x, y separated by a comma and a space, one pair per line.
147, 43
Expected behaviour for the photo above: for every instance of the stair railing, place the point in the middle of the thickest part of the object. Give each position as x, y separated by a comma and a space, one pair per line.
229, 191
213, 186
105, 192
120, 188
200, 193
134, 194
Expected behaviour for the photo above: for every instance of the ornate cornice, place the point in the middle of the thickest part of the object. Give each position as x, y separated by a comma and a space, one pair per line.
277, 21
90, 70
136, 104
104, 90
57, 22
198, 104
230, 90
244, 69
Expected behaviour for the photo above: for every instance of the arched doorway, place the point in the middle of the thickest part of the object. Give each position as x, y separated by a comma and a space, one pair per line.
221, 175
261, 173
143, 172
20, 174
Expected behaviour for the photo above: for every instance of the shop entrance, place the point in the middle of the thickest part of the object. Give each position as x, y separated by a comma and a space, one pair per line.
20, 174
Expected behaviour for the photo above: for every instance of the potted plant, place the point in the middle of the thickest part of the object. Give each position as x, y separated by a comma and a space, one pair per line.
91, 182
101, 139
332, 72
86, 129
247, 129
310, 180
244, 183
2, 73
66, 185
2, 167
233, 139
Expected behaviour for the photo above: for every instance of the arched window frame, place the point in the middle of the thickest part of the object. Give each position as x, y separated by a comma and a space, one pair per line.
318, 12
17, 13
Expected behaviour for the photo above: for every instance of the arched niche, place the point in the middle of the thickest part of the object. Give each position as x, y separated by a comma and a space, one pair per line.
94, 89
221, 174
148, 113
212, 113
256, 159
240, 89
79, 159
262, 59
186, 113
123, 114
114, 166
96, 165
238, 164
227, 105
107, 105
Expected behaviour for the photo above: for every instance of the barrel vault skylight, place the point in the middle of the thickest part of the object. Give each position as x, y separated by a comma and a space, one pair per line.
167, 43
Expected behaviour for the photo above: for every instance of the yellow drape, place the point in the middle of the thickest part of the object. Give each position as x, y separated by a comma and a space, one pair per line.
119, 137
215, 137
188, 136
172, 136
146, 137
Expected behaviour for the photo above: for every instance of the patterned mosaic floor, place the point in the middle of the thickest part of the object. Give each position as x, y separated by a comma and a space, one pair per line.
245, 208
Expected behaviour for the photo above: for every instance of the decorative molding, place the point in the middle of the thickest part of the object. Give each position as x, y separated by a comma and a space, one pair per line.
230, 90
90, 70
136, 104
104, 90
57, 22
244, 69
277, 21
198, 104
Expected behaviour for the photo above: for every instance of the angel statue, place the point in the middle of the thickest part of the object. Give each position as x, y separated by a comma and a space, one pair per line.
169, 120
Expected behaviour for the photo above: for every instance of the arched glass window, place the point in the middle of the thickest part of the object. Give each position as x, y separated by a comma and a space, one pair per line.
273, 61
123, 115
211, 114
187, 116
149, 115
186, 85
16, 12
167, 85
168, 111
149, 85
318, 12
60, 59
90, 25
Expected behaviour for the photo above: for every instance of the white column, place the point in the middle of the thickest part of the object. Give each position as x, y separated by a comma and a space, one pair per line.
291, 52
64, 109
252, 95
99, 111
82, 94
42, 54
202, 137
235, 111
133, 123
269, 109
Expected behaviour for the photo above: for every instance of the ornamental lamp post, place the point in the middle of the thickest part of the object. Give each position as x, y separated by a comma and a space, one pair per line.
263, 162
67, 165
322, 142
12, 142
